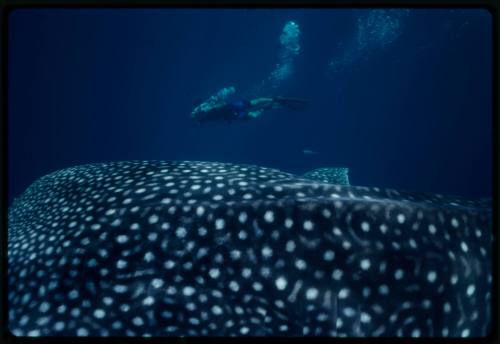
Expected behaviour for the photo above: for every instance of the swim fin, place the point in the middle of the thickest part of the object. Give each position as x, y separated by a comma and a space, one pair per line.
291, 103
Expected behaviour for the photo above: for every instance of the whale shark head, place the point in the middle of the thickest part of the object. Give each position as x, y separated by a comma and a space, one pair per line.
167, 248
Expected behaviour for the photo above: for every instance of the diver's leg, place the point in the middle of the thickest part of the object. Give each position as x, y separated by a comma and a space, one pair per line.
291, 103
261, 103
278, 102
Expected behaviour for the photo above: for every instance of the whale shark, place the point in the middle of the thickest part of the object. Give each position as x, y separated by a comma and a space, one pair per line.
193, 248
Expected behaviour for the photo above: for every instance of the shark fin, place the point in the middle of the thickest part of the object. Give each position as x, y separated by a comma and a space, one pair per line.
332, 175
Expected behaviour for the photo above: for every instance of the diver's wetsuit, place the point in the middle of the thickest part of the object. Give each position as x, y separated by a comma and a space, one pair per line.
240, 108
232, 111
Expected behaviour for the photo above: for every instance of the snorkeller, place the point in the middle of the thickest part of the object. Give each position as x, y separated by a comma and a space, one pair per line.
219, 106
243, 109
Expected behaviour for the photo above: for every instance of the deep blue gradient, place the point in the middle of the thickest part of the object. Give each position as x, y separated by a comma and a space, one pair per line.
97, 85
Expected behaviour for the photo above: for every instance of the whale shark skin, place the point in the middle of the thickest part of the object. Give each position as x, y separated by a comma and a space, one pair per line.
173, 248
332, 175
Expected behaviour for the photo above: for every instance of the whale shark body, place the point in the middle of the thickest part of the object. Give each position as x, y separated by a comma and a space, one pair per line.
168, 248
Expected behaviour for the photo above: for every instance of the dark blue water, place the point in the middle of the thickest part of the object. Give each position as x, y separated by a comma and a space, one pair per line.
406, 105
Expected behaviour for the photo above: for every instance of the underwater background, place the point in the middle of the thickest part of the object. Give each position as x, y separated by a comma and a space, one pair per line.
403, 98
